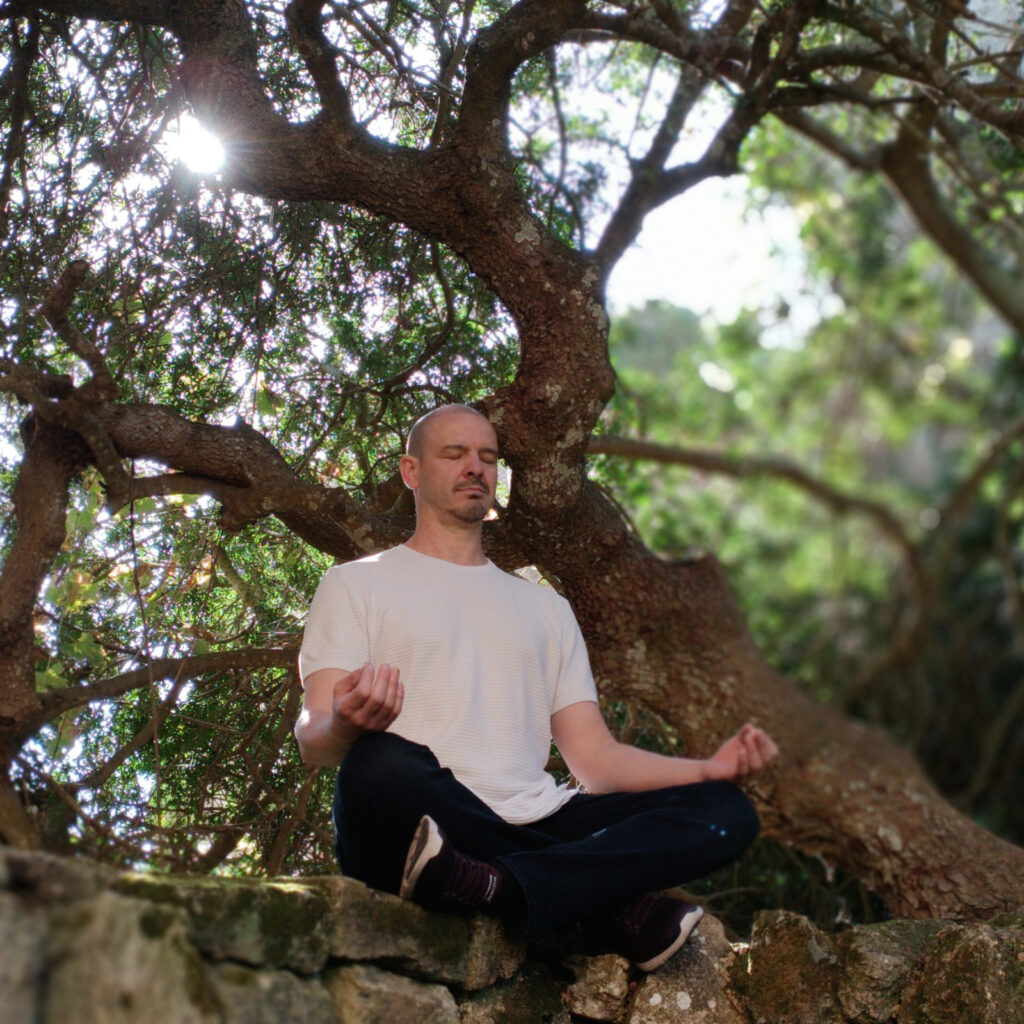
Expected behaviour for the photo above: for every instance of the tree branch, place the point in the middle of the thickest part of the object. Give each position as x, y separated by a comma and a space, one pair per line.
640, 195
905, 162
746, 466
307, 31
58, 701
524, 31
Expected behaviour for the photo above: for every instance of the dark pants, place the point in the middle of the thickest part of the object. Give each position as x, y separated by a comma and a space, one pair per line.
591, 855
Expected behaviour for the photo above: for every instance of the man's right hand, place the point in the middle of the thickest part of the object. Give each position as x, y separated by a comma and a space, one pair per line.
365, 701
339, 706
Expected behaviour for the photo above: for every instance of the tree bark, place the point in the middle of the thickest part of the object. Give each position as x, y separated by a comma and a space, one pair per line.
53, 457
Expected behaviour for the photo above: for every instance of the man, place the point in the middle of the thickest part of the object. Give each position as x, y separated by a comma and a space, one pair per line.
438, 681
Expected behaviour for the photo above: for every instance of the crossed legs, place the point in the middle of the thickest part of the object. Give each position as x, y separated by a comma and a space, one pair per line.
590, 856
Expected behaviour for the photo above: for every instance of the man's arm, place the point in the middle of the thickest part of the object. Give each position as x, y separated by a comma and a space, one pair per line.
339, 706
604, 765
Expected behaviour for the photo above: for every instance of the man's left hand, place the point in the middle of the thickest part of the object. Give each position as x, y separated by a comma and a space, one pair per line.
749, 751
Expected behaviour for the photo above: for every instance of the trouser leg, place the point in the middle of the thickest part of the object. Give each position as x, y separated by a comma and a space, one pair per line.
612, 848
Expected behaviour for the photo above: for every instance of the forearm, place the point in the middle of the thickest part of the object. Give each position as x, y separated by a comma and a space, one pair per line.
620, 768
322, 739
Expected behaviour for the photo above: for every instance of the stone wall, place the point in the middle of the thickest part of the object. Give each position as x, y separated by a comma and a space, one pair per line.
80, 942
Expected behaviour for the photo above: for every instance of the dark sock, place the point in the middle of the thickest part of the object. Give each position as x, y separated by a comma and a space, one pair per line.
508, 902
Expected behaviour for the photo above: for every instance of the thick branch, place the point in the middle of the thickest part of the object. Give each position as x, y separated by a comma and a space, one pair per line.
52, 459
307, 31
923, 65
16, 85
55, 309
526, 30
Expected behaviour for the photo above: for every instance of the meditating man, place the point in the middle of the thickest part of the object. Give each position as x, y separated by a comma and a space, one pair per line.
438, 681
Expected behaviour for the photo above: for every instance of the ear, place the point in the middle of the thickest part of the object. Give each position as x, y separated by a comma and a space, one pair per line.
409, 467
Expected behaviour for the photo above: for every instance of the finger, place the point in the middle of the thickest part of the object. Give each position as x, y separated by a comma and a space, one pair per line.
769, 748
347, 683
755, 758
386, 711
376, 696
742, 761
352, 701
392, 701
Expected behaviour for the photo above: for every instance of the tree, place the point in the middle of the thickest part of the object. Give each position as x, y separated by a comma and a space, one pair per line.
415, 204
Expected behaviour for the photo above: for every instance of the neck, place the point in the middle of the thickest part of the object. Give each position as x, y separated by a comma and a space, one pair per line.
463, 546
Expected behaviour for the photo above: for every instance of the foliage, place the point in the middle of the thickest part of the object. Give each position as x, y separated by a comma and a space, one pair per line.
326, 309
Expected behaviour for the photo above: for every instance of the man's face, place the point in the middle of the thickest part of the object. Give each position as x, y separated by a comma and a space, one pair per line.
458, 470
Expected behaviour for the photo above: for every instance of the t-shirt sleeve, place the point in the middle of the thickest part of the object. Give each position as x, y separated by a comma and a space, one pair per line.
336, 633
575, 679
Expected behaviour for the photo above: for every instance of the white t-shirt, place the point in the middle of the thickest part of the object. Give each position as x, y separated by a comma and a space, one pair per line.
485, 657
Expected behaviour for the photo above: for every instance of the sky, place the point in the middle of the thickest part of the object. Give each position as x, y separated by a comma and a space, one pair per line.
705, 252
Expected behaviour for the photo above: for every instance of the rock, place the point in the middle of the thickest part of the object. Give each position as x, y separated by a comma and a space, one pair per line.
369, 925
601, 988
83, 943
876, 962
694, 987
22, 960
248, 996
531, 997
260, 922
789, 972
55, 879
112, 959
367, 995
908, 972
969, 973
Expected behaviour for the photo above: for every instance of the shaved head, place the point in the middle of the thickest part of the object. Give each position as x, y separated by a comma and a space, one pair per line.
420, 429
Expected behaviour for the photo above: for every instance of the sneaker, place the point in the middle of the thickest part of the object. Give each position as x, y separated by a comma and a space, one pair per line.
438, 877
650, 929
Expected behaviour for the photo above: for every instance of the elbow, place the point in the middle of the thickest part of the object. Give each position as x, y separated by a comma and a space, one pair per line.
592, 778
307, 753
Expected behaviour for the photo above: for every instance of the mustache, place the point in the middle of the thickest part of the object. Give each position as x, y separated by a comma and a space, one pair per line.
475, 485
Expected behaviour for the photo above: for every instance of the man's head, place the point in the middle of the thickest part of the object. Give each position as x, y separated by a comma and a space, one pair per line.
451, 464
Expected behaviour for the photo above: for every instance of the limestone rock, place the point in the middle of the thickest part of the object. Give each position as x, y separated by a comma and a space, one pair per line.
694, 987
261, 922
368, 995
531, 997
248, 996
876, 962
115, 960
970, 973
908, 972
51, 878
369, 925
22, 960
789, 973
601, 988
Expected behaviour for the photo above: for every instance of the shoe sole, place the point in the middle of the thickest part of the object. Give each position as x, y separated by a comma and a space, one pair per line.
686, 927
425, 846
